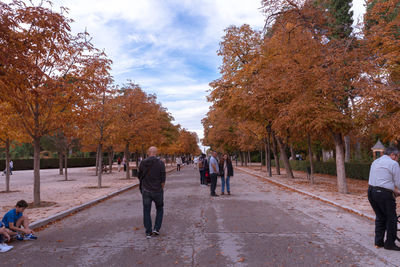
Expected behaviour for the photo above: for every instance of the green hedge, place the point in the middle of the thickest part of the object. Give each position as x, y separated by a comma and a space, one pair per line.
354, 170
27, 164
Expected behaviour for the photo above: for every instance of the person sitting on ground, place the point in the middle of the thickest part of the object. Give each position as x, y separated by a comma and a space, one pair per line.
15, 220
4, 236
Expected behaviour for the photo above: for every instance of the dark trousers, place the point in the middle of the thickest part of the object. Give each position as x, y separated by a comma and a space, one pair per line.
383, 203
202, 176
148, 198
213, 183
178, 167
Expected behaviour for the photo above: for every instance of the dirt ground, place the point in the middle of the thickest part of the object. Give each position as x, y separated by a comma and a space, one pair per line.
325, 186
58, 195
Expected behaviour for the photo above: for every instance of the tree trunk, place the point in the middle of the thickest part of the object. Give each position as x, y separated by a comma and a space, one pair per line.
127, 157
276, 157
340, 169
358, 150
261, 158
268, 155
292, 153
285, 159
110, 159
36, 171
100, 168
241, 158
7, 147
248, 153
97, 161
66, 165
347, 148
60, 163
310, 155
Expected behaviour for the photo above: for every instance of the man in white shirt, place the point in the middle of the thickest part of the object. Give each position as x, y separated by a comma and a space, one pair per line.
214, 170
384, 182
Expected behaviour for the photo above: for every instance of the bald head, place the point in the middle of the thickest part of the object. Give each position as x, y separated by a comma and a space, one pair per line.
152, 151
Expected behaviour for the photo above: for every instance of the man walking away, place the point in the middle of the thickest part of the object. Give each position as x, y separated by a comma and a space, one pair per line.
384, 182
214, 170
152, 181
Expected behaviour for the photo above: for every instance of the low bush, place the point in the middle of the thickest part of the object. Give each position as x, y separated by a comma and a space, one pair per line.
27, 164
354, 170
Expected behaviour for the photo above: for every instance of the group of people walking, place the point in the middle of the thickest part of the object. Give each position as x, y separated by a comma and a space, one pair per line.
212, 167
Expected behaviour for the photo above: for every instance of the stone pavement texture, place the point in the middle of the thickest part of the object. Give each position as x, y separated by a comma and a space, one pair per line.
63, 195
260, 224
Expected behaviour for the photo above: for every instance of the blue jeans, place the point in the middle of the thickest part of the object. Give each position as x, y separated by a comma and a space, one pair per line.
202, 176
148, 198
223, 180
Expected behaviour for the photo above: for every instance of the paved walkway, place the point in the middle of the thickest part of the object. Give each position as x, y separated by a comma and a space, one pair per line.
258, 225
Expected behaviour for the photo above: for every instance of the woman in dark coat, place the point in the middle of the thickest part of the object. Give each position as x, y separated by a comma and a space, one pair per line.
226, 171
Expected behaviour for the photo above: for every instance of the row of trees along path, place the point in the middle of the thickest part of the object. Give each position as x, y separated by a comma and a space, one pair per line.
308, 80
55, 83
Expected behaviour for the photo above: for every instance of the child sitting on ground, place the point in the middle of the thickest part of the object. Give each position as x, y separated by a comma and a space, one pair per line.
4, 236
15, 220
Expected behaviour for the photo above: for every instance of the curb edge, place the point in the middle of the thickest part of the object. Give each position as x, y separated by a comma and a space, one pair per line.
333, 203
58, 216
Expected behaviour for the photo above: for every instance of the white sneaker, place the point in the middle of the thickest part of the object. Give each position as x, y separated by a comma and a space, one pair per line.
5, 247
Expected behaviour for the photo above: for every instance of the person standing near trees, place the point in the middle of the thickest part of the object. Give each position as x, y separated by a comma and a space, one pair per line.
226, 171
119, 164
214, 170
384, 184
152, 180
201, 162
178, 163
124, 163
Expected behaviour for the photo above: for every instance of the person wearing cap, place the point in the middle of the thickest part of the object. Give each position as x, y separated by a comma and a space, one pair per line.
384, 184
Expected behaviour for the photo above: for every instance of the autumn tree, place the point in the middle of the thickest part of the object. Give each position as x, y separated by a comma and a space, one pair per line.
9, 133
381, 102
44, 59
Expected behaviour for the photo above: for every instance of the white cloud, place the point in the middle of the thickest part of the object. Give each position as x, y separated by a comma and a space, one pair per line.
168, 47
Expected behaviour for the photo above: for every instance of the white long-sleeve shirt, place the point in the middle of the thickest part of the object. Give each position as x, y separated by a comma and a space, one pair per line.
385, 173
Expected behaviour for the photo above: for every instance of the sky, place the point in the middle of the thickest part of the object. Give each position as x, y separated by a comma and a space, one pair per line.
168, 47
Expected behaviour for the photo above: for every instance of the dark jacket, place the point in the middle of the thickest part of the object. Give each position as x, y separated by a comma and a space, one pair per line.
228, 166
151, 174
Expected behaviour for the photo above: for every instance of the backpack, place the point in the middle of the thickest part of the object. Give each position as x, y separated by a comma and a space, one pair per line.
201, 163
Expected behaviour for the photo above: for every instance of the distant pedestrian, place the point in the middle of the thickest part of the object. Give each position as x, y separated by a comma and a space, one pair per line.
214, 170
384, 184
11, 165
178, 163
201, 162
119, 164
226, 172
124, 163
152, 180
195, 162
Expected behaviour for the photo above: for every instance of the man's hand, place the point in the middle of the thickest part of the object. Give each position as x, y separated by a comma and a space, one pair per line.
162, 185
396, 192
6, 235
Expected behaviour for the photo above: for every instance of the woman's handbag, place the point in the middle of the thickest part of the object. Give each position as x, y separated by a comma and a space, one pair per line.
221, 173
